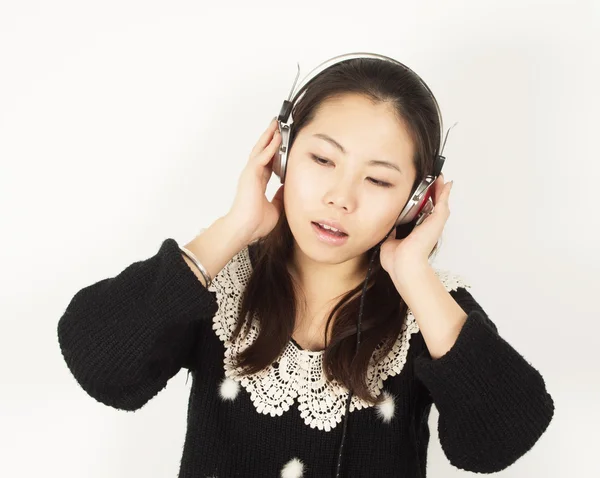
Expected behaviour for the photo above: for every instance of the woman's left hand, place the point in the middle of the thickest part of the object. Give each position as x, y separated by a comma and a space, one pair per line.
397, 256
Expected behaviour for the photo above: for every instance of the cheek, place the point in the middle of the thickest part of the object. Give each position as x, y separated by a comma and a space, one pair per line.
380, 215
302, 183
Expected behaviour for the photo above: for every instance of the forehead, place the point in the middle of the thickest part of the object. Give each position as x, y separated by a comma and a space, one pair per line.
366, 129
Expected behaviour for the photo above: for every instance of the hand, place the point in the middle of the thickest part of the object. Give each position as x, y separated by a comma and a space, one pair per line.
251, 210
397, 256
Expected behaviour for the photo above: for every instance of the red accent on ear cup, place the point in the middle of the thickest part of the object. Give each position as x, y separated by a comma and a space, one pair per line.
418, 207
425, 206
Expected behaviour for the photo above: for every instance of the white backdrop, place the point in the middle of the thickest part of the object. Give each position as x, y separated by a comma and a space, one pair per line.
126, 122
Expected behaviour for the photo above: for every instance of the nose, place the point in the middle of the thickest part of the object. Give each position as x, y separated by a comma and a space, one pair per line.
342, 194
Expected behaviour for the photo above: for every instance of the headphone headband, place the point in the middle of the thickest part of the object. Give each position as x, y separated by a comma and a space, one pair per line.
296, 92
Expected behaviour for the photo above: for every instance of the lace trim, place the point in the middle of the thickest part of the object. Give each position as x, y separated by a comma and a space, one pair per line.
298, 374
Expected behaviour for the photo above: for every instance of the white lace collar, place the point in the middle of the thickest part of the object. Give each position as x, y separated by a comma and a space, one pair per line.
298, 374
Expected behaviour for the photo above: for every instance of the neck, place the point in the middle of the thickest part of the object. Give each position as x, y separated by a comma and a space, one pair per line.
322, 281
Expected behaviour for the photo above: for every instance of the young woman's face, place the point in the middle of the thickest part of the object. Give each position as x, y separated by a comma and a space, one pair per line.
324, 182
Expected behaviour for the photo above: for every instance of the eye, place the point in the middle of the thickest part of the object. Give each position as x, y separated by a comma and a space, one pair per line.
383, 184
323, 161
318, 160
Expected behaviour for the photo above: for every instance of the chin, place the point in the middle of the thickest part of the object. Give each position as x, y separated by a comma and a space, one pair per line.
312, 247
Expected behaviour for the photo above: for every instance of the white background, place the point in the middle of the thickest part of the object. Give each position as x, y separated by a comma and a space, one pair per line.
126, 122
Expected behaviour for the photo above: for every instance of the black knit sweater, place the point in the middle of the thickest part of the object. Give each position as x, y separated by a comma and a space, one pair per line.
124, 337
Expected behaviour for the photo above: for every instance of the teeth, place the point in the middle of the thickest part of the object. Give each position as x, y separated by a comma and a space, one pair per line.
325, 226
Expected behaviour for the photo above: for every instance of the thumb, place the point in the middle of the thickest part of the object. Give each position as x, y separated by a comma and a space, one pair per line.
277, 200
389, 244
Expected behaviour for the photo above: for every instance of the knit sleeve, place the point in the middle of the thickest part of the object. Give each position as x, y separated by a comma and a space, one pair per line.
493, 405
124, 337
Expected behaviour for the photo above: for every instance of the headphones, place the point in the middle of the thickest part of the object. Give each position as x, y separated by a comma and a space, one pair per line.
416, 210
419, 204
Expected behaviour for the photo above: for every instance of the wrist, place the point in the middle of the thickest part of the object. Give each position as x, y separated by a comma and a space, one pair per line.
234, 234
411, 272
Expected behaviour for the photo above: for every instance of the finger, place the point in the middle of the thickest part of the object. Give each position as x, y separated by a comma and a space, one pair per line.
449, 188
439, 188
265, 138
267, 153
443, 205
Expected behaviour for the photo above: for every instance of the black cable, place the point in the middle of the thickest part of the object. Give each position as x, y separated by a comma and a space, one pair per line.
360, 312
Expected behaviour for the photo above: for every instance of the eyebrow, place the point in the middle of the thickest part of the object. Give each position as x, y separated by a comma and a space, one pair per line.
372, 162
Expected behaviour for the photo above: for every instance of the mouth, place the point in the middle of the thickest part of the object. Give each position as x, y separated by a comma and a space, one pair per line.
331, 230
329, 236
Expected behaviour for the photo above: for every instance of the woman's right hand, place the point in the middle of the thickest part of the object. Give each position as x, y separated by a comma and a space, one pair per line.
252, 213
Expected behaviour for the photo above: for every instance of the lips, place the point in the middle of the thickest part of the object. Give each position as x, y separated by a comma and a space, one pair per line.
329, 237
338, 232
331, 223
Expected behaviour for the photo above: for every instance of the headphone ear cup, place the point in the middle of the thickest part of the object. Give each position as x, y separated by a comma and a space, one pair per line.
281, 156
276, 165
415, 214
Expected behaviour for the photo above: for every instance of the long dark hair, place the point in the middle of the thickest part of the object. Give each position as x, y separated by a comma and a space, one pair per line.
270, 293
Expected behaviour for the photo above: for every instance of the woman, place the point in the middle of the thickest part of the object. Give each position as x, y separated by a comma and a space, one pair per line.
271, 341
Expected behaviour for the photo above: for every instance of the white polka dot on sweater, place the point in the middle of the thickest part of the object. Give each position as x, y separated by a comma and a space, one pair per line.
386, 409
293, 469
229, 389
